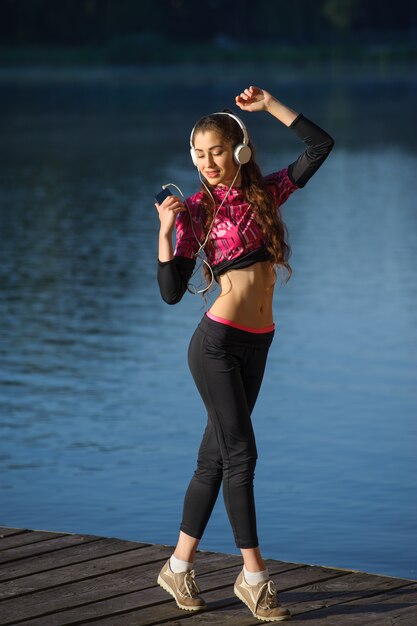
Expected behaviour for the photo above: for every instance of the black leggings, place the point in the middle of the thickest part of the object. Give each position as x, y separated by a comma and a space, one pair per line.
227, 365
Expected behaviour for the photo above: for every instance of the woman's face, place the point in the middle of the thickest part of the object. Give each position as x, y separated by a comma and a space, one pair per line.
215, 158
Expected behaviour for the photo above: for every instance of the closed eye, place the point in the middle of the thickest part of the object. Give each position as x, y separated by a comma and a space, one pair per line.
199, 156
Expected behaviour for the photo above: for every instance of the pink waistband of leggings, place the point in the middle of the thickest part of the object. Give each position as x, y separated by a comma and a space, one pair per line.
222, 320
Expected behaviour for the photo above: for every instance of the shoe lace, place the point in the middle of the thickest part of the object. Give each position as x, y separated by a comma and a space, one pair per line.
269, 590
191, 584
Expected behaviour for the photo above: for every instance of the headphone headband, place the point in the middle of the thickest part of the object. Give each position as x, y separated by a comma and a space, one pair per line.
241, 153
233, 116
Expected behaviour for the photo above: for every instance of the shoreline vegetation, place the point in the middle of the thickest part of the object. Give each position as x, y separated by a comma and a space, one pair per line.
139, 50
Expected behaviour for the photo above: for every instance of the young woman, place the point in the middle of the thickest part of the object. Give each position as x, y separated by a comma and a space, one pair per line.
235, 218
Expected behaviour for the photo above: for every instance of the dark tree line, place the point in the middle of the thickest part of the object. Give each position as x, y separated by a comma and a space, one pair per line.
286, 22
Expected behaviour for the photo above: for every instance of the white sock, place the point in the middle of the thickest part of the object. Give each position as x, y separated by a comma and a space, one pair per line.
179, 566
253, 578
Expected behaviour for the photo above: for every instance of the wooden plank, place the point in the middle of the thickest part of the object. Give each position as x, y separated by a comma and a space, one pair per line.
351, 587
392, 608
41, 547
80, 553
32, 536
81, 571
5, 531
216, 584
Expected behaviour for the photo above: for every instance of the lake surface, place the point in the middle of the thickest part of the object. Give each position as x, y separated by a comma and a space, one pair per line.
100, 421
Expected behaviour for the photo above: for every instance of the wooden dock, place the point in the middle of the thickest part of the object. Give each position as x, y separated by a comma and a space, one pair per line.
57, 579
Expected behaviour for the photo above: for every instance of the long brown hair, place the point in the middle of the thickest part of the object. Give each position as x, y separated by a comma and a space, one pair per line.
267, 214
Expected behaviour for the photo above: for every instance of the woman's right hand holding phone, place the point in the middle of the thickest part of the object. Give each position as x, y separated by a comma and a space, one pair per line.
167, 212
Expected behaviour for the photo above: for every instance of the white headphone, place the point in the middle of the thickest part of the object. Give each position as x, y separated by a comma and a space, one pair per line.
241, 153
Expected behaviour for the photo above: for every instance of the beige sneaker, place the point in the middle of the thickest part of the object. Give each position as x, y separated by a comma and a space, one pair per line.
261, 599
183, 587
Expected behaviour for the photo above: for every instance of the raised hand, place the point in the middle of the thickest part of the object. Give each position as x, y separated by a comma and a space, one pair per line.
254, 99
257, 99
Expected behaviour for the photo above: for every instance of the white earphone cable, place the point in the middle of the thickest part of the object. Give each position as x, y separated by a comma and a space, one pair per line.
202, 245
194, 291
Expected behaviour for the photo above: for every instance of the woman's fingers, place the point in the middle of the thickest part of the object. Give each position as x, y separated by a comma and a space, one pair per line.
171, 203
248, 96
242, 100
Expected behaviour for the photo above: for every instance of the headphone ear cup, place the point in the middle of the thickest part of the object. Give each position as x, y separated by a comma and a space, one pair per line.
242, 154
193, 156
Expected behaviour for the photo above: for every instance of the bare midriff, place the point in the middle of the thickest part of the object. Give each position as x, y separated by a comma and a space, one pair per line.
246, 295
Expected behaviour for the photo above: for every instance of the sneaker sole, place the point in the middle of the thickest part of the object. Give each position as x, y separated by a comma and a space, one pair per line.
161, 582
263, 619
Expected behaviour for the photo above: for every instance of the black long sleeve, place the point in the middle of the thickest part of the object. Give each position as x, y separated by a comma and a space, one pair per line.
319, 145
173, 277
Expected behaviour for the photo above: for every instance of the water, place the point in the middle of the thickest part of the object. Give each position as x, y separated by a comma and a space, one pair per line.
100, 420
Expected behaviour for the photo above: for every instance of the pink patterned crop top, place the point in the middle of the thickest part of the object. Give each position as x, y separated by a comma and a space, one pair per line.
235, 232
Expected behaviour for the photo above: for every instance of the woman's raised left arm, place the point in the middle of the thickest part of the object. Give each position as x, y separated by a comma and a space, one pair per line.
256, 99
319, 143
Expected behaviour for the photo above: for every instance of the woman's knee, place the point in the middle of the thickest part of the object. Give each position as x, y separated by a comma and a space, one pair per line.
207, 472
243, 453
209, 461
243, 471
